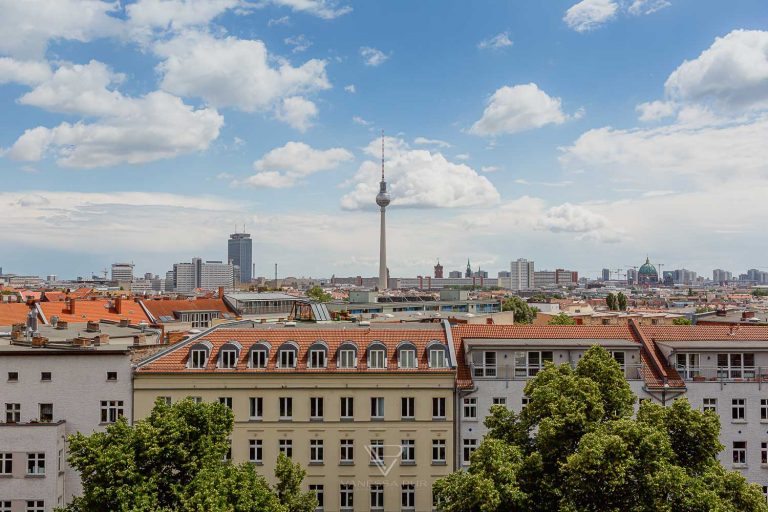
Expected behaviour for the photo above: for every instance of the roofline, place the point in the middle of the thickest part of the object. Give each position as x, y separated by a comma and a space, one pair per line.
147, 311
451, 346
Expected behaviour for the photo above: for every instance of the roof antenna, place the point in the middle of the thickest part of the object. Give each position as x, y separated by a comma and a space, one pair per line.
382, 155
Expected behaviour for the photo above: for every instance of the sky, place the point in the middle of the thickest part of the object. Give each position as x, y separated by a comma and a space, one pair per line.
580, 135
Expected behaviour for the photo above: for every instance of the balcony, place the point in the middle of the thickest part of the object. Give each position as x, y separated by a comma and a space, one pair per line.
512, 372
723, 373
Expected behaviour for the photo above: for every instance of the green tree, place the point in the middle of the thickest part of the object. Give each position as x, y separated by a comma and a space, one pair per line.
760, 292
318, 294
612, 302
577, 448
523, 313
621, 300
288, 488
170, 461
561, 319
681, 321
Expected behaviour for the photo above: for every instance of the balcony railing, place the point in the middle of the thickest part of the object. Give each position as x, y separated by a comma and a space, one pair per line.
723, 373
512, 372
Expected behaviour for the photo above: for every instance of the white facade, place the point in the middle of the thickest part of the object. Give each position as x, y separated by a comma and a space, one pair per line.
122, 272
208, 275
47, 393
216, 273
521, 275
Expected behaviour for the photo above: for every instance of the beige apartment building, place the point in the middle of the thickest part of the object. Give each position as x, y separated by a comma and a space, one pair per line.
368, 411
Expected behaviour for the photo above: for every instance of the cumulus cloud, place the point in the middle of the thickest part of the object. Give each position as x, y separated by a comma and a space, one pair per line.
590, 14
513, 109
146, 16
325, 9
418, 178
372, 56
496, 42
362, 122
572, 218
638, 7
27, 72
350, 88
284, 166
300, 43
297, 112
655, 110
423, 141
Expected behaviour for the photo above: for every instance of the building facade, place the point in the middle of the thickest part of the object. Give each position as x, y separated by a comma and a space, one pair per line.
122, 272
240, 254
521, 275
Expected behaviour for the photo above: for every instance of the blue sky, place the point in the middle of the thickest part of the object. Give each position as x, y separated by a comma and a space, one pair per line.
577, 134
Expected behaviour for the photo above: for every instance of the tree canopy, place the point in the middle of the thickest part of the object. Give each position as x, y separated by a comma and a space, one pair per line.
621, 301
317, 293
174, 460
561, 319
612, 302
681, 321
523, 313
576, 447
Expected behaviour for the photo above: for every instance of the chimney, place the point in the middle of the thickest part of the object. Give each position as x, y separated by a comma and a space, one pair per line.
221, 292
140, 339
62, 324
101, 339
81, 341
92, 326
118, 305
39, 341
124, 322
72, 301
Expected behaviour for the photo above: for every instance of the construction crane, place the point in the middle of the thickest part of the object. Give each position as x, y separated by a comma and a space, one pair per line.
617, 271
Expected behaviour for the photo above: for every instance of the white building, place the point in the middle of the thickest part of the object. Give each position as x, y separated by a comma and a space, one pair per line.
122, 272
521, 275
209, 275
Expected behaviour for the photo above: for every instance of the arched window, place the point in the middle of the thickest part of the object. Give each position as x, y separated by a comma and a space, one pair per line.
437, 353
258, 354
229, 353
198, 354
377, 356
318, 355
346, 356
287, 355
406, 355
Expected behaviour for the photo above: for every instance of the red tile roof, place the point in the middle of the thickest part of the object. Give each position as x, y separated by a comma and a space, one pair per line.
175, 360
13, 313
161, 307
543, 331
706, 332
94, 310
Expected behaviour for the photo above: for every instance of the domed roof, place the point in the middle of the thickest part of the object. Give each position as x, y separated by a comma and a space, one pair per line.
647, 268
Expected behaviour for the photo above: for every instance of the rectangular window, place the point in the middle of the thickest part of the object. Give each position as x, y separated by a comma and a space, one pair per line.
688, 365
111, 375
35, 463
470, 445
286, 408
255, 451
198, 358
377, 408
228, 358
347, 358
738, 409
528, 364
35, 506
256, 407
316, 451
316, 408
317, 359
13, 376
111, 410
46, 413
347, 408
259, 359
6, 463
13, 413
438, 408
319, 496
228, 455
377, 497
347, 451
709, 404
469, 411
407, 358
166, 400
438, 451
524, 401
347, 497
226, 400
736, 366
764, 409
45, 376
5, 506
499, 400
408, 497
408, 451
286, 447
763, 453
437, 358
484, 364
196, 399
408, 407
287, 359
377, 359
377, 452
739, 453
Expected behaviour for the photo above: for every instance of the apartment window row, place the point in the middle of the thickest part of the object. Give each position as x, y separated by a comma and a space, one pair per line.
738, 408
111, 410
258, 355
375, 496
44, 376
728, 365
527, 364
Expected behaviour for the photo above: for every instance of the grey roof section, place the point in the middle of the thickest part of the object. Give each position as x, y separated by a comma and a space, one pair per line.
251, 296
117, 335
536, 342
715, 345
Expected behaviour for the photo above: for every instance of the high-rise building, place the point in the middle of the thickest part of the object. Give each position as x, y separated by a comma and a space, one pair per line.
521, 274
122, 272
454, 274
208, 275
606, 274
382, 199
721, 276
240, 253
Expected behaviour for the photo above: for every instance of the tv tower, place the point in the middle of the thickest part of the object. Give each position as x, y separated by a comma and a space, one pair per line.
382, 199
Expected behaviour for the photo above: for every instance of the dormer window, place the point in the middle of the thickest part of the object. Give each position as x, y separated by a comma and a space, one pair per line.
406, 355
229, 353
286, 356
198, 355
259, 355
318, 355
437, 353
347, 356
377, 356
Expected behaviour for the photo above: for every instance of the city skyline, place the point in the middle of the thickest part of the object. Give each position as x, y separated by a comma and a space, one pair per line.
584, 136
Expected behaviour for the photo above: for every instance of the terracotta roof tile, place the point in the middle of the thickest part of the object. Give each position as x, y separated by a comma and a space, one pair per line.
706, 332
160, 308
13, 313
543, 331
94, 310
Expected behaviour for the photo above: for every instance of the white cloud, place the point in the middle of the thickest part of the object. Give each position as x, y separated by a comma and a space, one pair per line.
647, 6
590, 14
28, 25
372, 56
732, 74
423, 141
277, 22
362, 122
518, 108
572, 218
490, 168
418, 178
285, 166
496, 42
655, 110
145, 16
564, 183
300, 43
462, 156
350, 88
231, 72
325, 9
27, 72
297, 112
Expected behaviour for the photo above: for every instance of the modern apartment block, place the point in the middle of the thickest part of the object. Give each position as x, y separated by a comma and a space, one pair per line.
122, 272
521, 275
208, 275
368, 411
240, 254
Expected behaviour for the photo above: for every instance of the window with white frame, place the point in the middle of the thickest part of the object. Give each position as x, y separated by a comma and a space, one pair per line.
12, 413
166, 400
255, 451
46, 413
437, 358
377, 359
377, 408
347, 358
469, 447
408, 451
738, 409
765, 492
469, 409
316, 408
408, 407
256, 408
226, 400
285, 446
438, 408
407, 358
287, 358
499, 400
376, 448
228, 358
111, 410
528, 364
198, 357
35, 506
764, 409
5, 506
347, 451
317, 358
35, 463
258, 358
316, 449
438, 451
484, 363
709, 404
6, 463
195, 399
347, 407
739, 453
347, 496
319, 496
738, 365
688, 365
619, 356
763, 453
524, 400
286, 407
408, 497
377, 497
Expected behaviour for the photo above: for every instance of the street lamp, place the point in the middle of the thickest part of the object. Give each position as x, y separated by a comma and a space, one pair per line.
664, 393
